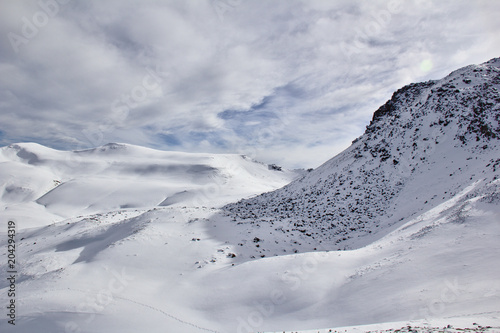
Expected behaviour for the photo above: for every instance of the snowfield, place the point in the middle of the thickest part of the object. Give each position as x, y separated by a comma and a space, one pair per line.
48, 185
125, 239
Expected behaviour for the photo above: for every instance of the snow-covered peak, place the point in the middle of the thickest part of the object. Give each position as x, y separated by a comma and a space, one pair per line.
107, 148
47, 184
139, 244
424, 145
28, 152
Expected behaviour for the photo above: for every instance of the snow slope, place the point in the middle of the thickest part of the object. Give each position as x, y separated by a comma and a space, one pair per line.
161, 271
427, 143
132, 250
42, 185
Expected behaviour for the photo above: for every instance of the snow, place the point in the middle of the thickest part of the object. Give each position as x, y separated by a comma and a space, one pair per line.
57, 184
95, 271
429, 142
122, 238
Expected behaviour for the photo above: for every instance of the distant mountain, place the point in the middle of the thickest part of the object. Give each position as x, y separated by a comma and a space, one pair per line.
430, 141
46, 185
122, 238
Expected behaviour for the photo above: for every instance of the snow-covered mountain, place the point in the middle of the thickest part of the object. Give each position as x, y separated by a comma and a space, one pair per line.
125, 239
430, 141
45, 185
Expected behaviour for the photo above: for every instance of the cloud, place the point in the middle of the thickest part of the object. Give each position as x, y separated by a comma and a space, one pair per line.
290, 82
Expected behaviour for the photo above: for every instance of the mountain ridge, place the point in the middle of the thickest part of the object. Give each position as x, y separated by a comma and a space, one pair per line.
48, 185
429, 196
441, 133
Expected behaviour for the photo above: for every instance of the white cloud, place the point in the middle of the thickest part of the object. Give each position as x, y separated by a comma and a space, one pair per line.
300, 79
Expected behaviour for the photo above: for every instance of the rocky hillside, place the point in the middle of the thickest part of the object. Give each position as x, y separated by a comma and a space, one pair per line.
426, 144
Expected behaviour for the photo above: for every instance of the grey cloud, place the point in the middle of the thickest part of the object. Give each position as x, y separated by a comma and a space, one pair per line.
307, 74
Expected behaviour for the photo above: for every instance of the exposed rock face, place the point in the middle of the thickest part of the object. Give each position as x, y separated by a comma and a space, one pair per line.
427, 143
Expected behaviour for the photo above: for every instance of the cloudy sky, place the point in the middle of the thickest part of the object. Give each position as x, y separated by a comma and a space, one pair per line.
291, 82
